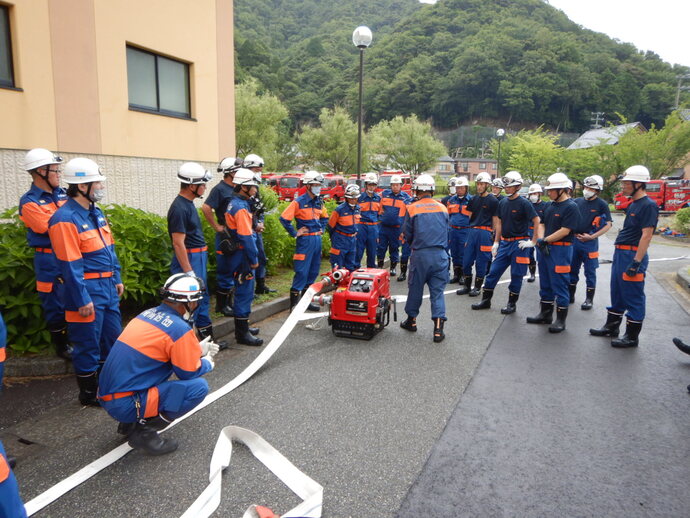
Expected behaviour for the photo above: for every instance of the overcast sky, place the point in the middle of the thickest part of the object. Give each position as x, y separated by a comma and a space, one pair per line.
657, 25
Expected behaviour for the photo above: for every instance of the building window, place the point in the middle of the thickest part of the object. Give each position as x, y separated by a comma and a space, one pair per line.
6, 68
443, 167
493, 166
157, 84
465, 166
482, 165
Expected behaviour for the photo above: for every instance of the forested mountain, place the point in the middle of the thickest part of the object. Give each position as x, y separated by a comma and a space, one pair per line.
518, 60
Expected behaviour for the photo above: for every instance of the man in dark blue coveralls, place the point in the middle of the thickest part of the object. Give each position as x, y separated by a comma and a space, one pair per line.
426, 229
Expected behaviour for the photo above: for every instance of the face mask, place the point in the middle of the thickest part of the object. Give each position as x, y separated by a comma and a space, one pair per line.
352, 205
534, 198
588, 194
97, 195
316, 190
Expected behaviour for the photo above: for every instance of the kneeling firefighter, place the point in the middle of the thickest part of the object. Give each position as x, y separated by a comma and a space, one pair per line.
135, 388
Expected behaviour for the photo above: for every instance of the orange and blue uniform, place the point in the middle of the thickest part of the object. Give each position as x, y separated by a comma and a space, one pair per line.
310, 213
459, 221
85, 251
238, 219
342, 226
3, 349
594, 215
426, 230
218, 200
477, 252
393, 210
368, 228
158, 343
36, 207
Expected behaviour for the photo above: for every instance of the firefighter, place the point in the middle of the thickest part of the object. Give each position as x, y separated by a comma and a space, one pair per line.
630, 260
256, 164
368, 228
342, 227
595, 221
452, 182
459, 223
85, 251
245, 258
511, 244
482, 209
496, 188
426, 230
534, 193
36, 207
311, 218
136, 389
682, 346
555, 252
393, 203
217, 202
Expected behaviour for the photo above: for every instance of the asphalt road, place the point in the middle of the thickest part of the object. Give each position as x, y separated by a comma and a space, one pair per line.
548, 425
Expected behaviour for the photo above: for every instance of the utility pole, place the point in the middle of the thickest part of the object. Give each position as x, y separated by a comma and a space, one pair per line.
681, 88
596, 118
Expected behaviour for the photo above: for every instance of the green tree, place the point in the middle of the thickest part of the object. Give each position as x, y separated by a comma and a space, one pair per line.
405, 143
534, 153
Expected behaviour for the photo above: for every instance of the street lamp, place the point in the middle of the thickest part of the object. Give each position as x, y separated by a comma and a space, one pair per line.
500, 133
361, 37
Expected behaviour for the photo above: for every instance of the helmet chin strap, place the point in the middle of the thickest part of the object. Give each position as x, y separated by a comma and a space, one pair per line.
45, 176
636, 187
196, 191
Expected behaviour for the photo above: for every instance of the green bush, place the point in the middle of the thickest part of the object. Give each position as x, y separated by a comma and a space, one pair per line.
681, 221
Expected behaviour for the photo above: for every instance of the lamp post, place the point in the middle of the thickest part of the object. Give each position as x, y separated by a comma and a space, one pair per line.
361, 37
500, 133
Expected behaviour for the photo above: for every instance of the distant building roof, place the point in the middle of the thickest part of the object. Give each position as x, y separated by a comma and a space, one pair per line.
445, 159
607, 136
684, 114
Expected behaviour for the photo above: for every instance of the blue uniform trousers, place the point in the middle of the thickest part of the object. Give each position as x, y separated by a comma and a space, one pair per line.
94, 336
554, 274
627, 293
367, 240
261, 270
509, 254
587, 253
198, 261
428, 266
224, 278
11, 505
47, 271
389, 240
456, 242
306, 261
244, 293
343, 250
174, 399
477, 251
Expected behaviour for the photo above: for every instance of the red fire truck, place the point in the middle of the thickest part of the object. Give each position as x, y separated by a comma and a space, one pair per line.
288, 184
669, 195
385, 181
333, 187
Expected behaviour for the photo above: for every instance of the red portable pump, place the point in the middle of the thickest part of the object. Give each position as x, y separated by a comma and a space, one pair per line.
361, 304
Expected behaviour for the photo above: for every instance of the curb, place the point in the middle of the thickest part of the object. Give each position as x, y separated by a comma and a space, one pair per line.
683, 278
53, 366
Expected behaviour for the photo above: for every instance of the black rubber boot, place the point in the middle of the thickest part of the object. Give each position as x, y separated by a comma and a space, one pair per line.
439, 335
485, 303
294, 299
532, 272
208, 331
410, 323
145, 438
158, 423
611, 327
589, 300
261, 288
512, 301
478, 281
403, 271
242, 334
559, 324
58, 335
630, 338
457, 275
393, 270
682, 346
572, 288
11, 461
466, 286
313, 306
88, 389
545, 316
379, 263
223, 305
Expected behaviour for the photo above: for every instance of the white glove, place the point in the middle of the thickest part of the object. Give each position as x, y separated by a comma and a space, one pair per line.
209, 348
494, 249
190, 273
209, 359
525, 244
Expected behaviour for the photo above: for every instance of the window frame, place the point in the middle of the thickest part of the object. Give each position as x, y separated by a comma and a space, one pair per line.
159, 110
12, 84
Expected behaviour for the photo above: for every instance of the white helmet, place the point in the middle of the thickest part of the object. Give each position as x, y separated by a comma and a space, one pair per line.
452, 182
497, 182
396, 179
483, 177
82, 170
181, 287
312, 177
245, 177
558, 181
424, 182
39, 157
352, 191
372, 178
192, 173
636, 173
534, 188
594, 182
252, 160
229, 165
512, 178
462, 182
